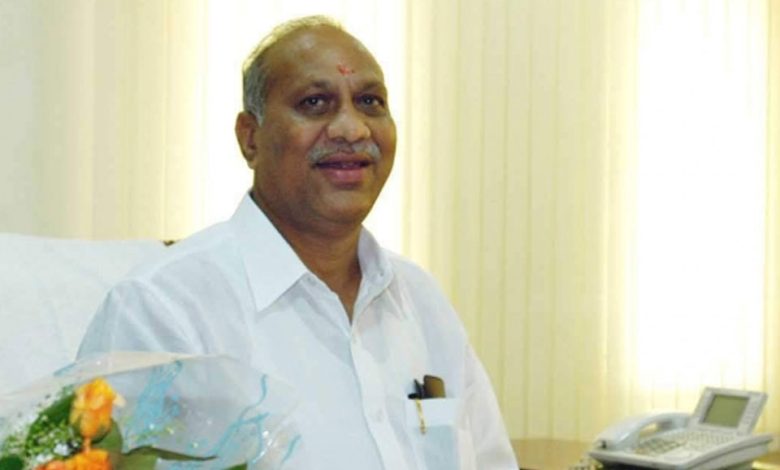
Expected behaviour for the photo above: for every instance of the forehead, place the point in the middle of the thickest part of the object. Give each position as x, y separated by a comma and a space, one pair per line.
315, 51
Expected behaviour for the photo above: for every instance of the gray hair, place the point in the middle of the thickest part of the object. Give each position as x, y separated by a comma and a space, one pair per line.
255, 69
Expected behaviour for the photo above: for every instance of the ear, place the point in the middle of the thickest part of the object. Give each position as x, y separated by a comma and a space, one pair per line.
246, 125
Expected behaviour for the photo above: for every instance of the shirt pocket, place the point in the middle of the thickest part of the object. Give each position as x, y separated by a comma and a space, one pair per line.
439, 447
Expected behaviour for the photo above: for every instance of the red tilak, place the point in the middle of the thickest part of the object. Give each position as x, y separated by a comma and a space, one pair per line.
344, 70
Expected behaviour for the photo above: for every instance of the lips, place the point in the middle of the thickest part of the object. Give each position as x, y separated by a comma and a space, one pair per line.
344, 170
343, 165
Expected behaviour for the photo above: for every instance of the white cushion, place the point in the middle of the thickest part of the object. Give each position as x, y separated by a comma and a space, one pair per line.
49, 290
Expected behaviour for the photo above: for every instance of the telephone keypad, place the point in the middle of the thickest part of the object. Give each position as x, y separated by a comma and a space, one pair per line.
656, 446
692, 439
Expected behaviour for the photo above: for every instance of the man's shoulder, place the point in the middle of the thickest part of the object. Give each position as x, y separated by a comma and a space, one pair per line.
427, 303
162, 304
406, 269
211, 247
416, 281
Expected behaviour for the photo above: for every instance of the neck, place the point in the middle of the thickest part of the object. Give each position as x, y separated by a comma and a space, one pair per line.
330, 253
334, 261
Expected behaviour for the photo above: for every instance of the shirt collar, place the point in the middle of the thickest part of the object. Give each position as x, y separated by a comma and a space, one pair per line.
377, 273
374, 263
273, 267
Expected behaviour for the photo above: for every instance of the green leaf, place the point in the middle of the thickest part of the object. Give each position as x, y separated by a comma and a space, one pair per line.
111, 441
134, 462
57, 412
11, 462
242, 466
140, 458
166, 454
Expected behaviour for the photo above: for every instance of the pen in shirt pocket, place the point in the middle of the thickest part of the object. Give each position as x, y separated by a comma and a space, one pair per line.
431, 387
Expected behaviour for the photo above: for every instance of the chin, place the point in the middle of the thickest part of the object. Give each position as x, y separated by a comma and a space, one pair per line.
350, 215
351, 210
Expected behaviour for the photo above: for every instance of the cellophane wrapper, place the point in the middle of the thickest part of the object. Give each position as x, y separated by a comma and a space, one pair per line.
203, 406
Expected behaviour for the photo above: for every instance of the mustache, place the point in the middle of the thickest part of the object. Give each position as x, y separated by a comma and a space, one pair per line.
365, 147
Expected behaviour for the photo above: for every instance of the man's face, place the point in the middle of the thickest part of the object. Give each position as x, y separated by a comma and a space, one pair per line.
326, 144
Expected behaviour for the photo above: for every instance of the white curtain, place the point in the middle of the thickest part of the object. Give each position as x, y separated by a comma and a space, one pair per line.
522, 137
104, 138
119, 113
590, 183
772, 281
594, 182
702, 117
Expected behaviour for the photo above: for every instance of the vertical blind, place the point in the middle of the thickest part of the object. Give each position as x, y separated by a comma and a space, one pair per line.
526, 115
771, 357
594, 196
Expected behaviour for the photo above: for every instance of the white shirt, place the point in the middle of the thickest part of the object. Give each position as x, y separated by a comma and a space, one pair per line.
237, 288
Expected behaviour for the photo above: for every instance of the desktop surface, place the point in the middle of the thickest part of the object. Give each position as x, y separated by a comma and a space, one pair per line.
560, 454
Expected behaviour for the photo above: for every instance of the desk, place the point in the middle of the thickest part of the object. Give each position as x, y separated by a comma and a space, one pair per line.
548, 454
557, 454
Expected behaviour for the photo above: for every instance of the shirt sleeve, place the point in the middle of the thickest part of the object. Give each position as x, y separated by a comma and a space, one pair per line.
491, 442
133, 317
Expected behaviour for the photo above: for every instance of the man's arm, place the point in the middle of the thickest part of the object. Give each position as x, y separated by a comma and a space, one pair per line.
491, 444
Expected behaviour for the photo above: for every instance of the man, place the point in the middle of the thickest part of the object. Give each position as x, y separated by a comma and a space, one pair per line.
294, 285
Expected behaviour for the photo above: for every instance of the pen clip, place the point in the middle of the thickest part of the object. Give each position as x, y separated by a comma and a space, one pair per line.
420, 415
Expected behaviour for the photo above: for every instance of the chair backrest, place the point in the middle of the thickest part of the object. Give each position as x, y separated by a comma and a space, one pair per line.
49, 290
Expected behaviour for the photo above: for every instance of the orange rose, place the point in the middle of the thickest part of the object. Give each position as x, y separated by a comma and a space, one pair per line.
94, 459
53, 465
91, 409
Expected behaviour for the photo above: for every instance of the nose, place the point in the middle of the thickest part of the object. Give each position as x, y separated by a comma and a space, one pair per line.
348, 124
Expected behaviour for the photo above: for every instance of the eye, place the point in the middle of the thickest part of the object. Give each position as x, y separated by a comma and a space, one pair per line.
314, 104
371, 103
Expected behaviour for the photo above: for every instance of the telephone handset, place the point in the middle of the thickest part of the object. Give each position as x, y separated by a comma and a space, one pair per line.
716, 436
625, 434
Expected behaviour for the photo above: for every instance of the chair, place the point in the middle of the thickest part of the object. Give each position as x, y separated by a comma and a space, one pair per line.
49, 290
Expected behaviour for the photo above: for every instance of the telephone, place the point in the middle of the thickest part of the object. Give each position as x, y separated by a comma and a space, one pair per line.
716, 436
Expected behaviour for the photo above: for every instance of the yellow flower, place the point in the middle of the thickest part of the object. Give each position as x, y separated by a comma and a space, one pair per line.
93, 459
91, 409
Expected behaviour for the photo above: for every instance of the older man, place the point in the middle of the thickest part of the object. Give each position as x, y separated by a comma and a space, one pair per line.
294, 285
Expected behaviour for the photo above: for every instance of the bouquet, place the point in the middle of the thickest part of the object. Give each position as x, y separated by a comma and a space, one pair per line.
134, 410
